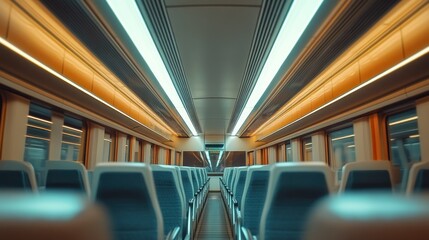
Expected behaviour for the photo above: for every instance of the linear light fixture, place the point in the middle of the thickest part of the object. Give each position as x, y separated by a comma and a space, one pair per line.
296, 21
372, 80
36, 62
131, 19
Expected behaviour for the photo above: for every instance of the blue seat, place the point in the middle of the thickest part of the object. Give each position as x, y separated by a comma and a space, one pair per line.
366, 175
17, 175
239, 184
254, 194
67, 175
186, 175
371, 216
293, 189
418, 180
127, 192
171, 197
51, 216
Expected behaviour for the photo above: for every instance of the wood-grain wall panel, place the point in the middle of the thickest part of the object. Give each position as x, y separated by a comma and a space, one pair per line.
5, 7
103, 89
388, 53
415, 33
30, 38
78, 72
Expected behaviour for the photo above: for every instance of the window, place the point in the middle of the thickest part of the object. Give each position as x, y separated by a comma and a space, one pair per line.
307, 149
127, 149
288, 152
72, 139
109, 146
341, 149
37, 139
404, 143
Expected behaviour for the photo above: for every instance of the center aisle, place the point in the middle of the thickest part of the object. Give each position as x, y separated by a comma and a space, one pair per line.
214, 223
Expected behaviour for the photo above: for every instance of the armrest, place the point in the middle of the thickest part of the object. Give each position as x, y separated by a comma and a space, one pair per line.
174, 234
247, 235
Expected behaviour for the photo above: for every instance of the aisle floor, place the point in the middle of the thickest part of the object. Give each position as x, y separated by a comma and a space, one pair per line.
214, 223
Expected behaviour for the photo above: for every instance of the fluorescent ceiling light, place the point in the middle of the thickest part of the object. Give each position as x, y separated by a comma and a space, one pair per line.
68, 81
131, 19
299, 16
372, 80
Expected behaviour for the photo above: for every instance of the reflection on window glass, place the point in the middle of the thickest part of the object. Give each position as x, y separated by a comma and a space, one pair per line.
214, 161
127, 149
307, 148
288, 152
72, 138
107, 148
37, 139
404, 143
341, 149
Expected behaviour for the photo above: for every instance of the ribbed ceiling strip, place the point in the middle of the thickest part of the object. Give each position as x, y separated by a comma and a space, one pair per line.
350, 26
159, 25
77, 18
269, 23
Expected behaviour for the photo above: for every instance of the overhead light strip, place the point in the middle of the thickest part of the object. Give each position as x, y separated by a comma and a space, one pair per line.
131, 19
68, 81
296, 21
372, 80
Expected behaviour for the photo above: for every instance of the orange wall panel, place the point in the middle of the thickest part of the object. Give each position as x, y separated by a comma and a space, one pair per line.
5, 7
345, 80
385, 55
415, 33
134, 112
121, 103
77, 72
24, 34
319, 99
103, 90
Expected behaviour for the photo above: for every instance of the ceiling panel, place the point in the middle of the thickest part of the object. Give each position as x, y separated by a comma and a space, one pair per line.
214, 113
214, 43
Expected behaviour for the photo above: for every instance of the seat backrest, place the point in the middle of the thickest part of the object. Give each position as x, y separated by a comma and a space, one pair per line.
239, 184
195, 180
188, 186
51, 216
67, 175
17, 175
375, 215
366, 175
170, 196
231, 178
418, 178
293, 189
127, 191
254, 194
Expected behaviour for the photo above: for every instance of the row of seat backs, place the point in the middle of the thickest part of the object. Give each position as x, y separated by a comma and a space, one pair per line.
375, 175
170, 191
127, 191
170, 188
59, 175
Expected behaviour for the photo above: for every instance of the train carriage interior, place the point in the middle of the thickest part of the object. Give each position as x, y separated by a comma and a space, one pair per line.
214, 119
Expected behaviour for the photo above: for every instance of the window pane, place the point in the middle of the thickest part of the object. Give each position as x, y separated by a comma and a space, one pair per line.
288, 152
72, 137
37, 139
404, 143
127, 149
308, 148
107, 147
341, 149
